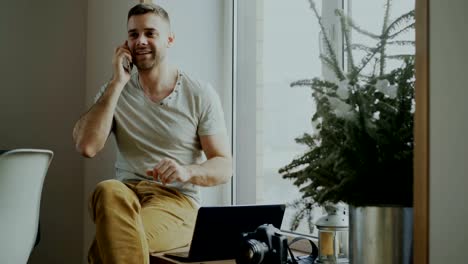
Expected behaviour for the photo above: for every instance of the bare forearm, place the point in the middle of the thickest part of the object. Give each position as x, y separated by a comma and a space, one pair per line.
91, 131
215, 171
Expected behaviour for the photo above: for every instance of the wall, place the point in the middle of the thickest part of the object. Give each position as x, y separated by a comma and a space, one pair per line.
106, 29
42, 68
448, 131
202, 47
55, 55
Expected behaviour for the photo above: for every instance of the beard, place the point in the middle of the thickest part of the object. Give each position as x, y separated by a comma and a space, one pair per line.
147, 62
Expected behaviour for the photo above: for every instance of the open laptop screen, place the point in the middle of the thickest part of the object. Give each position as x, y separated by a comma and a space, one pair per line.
217, 229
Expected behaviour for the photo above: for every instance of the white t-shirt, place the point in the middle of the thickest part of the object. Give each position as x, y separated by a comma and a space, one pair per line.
148, 131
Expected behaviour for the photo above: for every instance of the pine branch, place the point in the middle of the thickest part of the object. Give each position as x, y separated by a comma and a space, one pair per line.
361, 47
346, 32
330, 63
351, 23
310, 217
297, 162
369, 56
302, 208
383, 38
297, 217
386, 17
307, 139
401, 42
401, 31
400, 56
303, 82
403, 19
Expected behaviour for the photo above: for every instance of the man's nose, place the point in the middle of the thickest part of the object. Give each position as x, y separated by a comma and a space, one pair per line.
142, 40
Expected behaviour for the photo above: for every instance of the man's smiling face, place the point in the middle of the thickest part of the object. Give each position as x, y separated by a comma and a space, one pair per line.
149, 37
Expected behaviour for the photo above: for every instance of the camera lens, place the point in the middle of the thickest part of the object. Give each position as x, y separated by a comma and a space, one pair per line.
252, 252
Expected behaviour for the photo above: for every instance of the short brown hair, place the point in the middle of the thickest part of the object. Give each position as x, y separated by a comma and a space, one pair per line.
144, 8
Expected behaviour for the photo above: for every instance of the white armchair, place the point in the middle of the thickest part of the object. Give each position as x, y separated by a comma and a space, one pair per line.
22, 173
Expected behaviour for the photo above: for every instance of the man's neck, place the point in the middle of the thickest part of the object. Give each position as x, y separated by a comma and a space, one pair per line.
158, 82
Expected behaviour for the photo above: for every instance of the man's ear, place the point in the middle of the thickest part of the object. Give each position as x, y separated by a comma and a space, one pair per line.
170, 40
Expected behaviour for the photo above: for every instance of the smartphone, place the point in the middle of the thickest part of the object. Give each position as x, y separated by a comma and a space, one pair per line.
127, 65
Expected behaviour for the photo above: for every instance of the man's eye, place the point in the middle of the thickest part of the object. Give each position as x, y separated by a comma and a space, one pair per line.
150, 34
134, 35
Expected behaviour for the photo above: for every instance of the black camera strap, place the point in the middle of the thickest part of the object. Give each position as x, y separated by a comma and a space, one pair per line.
310, 259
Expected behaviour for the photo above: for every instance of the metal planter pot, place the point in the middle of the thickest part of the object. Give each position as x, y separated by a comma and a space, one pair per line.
380, 235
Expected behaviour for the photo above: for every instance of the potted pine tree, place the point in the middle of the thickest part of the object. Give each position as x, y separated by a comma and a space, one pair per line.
361, 150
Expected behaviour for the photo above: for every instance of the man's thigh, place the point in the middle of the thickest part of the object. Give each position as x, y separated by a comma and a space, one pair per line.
168, 216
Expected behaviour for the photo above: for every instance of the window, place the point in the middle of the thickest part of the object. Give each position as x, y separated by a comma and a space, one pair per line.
269, 114
287, 39
288, 43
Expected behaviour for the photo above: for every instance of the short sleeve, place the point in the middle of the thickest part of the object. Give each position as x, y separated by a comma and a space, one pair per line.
212, 115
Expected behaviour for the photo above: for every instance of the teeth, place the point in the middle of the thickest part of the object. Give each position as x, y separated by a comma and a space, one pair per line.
143, 52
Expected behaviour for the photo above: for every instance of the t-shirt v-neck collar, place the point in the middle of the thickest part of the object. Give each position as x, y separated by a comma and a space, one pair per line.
166, 100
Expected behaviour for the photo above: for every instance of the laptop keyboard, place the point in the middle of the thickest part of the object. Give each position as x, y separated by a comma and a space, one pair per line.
184, 254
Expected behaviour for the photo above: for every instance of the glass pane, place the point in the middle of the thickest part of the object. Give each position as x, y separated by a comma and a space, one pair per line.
289, 52
342, 243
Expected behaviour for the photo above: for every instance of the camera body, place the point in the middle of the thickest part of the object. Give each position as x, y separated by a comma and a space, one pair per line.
264, 245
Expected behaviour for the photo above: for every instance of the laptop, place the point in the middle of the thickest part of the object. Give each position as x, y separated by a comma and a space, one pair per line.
217, 230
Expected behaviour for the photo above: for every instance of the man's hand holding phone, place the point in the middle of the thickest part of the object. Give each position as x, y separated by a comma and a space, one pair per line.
122, 63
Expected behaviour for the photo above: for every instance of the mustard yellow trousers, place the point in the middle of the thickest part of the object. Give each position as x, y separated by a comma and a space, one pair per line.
135, 218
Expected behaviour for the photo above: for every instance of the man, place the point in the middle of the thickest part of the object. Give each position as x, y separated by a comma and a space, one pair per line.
164, 122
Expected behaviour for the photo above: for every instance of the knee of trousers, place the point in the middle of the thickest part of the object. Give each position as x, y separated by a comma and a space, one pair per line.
109, 193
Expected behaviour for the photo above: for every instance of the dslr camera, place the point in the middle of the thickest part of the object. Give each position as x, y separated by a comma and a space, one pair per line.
265, 245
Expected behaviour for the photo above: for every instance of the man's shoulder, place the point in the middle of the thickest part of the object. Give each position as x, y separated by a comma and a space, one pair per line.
194, 85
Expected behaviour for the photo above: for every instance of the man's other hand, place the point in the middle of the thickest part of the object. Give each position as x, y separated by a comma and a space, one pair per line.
168, 171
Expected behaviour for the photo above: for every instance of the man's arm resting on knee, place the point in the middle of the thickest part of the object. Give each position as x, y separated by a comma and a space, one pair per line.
216, 170
93, 128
